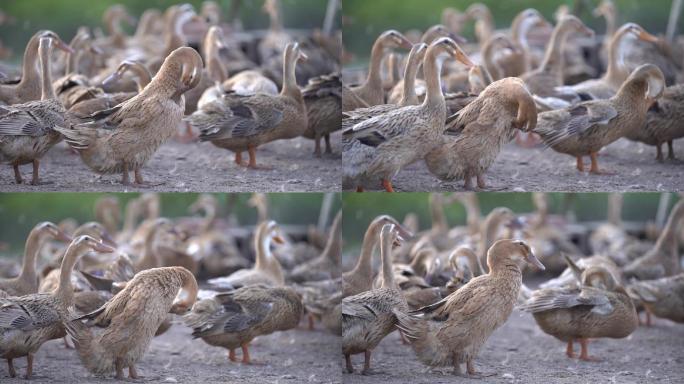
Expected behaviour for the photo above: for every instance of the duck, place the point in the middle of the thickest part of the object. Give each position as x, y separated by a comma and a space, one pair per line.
27, 281
233, 319
242, 123
612, 80
74, 86
519, 60
378, 148
490, 48
662, 297
397, 99
266, 270
600, 307
323, 100
584, 129
662, 122
484, 21
148, 120
29, 130
327, 265
323, 300
360, 278
28, 321
370, 92
368, 316
481, 129
453, 330
276, 37
117, 335
663, 259
81, 111
30, 87
543, 79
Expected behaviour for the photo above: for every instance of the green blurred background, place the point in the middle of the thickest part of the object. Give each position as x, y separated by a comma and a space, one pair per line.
360, 209
365, 20
65, 16
19, 212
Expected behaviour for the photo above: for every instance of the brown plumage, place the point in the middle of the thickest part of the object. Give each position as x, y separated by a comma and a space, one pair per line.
481, 129
360, 278
584, 129
663, 297
663, 259
242, 123
266, 271
27, 281
125, 137
368, 317
455, 328
327, 265
29, 130
371, 92
124, 326
232, 320
26, 322
599, 308
378, 148
323, 99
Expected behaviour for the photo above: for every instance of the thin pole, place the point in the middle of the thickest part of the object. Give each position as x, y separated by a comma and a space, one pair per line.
675, 11
329, 21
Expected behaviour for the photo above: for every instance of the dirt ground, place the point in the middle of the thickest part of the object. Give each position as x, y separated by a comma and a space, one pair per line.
519, 352
532, 170
295, 356
195, 167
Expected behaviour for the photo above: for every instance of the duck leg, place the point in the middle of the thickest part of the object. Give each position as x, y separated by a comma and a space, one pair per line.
317, 149
140, 182
580, 164
595, 168
584, 353
470, 368
670, 151
310, 317
570, 349
125, 180
659, 152
359, 189
468, 185
366, 362
29, 366
328, 147
245, 354
481, 181
132, 373
119, 369
17, 174
231, 355
238, 158
36, 176
10, 368
387, 184
252, 158
347, 359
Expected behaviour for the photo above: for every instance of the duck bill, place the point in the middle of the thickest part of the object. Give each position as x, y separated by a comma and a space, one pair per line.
108, 240
64, 46
103, 248
63, 237
405, 43
278, 239
645, 36
303, 57
588, 32
532, 259
464, 59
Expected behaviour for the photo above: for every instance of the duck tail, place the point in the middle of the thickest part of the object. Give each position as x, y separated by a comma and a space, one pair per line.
576, 270
641, 291
77, 138
422, 337
88, 350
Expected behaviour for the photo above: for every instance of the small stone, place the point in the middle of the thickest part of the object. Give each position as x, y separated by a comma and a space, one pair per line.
170, 380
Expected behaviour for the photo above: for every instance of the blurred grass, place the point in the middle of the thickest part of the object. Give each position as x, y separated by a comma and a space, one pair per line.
365, 20
361, 209
19, 212
65, 16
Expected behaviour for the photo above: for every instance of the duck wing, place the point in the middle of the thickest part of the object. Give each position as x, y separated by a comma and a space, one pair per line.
556, 126
26, 313
383, 127
244, 308
35, 118
236, 116
549, 299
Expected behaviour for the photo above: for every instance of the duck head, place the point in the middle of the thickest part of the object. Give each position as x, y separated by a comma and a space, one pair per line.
649, 78
574, 24
393, 39
52, 230
633, 29
514, 250
89, 242
97, 231
439, 30
445, 47
55, 41
125, 66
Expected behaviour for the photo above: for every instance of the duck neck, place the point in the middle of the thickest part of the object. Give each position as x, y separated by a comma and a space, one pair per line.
275, 18
263, 250
174, 32
472, 216
488, 236
610, 18
616, 73
130, 217
484, 26
553, 58
409, 92
333, 246
115, 31
65, 291
149, 258
141, 74
290, 87
363, 264
632, 94
47, 92
507, 269
34, 243
488, 51
386, 259
432, 67
667, 241
439, 222
209, 217
519, 34
374, 79
615, 209
30, 71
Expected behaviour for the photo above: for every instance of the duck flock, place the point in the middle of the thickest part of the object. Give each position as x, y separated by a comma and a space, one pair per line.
115, 99
446, 289
432, 96
110, 289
